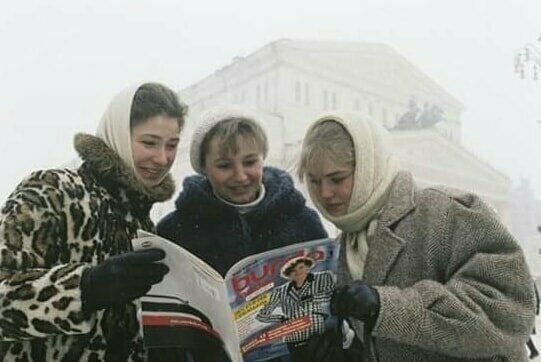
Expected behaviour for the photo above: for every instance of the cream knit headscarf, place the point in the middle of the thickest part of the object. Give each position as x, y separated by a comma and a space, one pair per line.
114, 127
375, 170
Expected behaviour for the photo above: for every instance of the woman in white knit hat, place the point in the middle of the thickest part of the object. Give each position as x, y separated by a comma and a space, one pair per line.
70, 283
235, 206
424, 274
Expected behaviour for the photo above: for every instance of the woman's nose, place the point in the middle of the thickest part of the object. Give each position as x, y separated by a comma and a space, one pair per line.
326, 191
240, 173
160, 157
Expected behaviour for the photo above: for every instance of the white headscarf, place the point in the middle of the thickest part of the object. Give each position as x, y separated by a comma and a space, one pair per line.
114, 127
375, 170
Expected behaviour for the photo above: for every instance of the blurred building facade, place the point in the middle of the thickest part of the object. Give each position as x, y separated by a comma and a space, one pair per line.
290, 82
525, 222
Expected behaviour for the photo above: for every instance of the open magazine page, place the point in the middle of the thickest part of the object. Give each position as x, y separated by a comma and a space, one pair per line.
189, 308
281, 298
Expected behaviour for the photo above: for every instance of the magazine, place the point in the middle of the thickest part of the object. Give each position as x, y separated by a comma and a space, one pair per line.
266, 304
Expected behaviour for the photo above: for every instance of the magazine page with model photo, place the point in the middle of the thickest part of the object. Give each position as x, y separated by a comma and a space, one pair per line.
268, 305
281, 298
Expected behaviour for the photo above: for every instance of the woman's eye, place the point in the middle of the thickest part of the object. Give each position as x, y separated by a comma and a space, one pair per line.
222, 166
337, 180
148, 143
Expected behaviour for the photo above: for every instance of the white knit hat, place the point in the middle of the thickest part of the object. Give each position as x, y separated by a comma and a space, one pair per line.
206, 123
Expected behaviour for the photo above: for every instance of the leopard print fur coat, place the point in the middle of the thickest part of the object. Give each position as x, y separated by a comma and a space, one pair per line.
53, 226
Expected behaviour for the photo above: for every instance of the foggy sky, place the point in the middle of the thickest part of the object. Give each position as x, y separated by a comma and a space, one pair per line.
61, 61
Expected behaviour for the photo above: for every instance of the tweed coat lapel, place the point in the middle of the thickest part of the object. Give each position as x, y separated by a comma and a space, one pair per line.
385, 246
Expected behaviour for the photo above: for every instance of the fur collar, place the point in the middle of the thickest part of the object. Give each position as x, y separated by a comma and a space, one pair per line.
281, 198
108, 166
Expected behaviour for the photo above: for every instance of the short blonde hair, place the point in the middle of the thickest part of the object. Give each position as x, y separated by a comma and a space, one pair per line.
327, 139
228, 131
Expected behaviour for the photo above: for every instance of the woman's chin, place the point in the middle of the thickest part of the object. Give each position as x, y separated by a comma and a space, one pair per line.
240, 200
336, 212
150, 181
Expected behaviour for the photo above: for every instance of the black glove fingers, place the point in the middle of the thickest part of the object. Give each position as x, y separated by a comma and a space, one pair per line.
144, 282
144, 256
153, 279
158, 269
135, 293
143, 270
122, 278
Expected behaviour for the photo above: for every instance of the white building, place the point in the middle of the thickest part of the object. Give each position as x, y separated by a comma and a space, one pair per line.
525, 217
290, 82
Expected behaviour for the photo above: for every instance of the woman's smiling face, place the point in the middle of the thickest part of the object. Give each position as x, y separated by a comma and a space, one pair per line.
236, 177
154, 148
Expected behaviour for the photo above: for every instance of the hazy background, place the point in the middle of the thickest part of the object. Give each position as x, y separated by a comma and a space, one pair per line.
61, 61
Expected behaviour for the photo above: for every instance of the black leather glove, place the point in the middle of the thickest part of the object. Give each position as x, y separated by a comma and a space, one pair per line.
121, 278
358, 300
329, 345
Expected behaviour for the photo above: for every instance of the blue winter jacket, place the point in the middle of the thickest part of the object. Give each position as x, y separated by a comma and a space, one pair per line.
221, 236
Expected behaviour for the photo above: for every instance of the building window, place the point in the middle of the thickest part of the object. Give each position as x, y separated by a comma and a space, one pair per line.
325, 100
298, 91
334, 100
306, 94
242, 97
356, 105
266, 92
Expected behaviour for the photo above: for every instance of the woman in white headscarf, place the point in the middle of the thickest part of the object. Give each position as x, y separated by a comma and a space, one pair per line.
69, 281
424, 274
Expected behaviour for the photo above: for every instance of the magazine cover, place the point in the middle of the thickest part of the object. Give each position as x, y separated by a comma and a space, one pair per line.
281, 298
267, 305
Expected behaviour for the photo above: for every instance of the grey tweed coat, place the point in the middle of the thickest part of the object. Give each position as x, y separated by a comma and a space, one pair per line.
452, 281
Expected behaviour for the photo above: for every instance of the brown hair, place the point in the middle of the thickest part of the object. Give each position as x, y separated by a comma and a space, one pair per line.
154, 99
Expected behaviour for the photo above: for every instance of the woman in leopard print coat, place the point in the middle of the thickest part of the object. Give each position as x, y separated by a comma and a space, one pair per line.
59, 224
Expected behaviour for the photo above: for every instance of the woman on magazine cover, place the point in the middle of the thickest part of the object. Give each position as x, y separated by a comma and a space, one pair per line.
306, 294
234, 206
69, 282
430, 274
